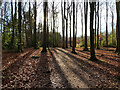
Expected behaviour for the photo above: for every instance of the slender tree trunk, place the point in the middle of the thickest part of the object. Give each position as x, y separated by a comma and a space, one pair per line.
82, 24
4, 25
95, 24
35, 14
53, 26
112, 27
106, 24
12, 39
15, 19
47, 29
1, 21
63, 46
26, 34
44, 31
19, 27
70, 30
76, 27
118, 28
86, 11
92, 50
67, 30
73, 48
30, 27
98, 28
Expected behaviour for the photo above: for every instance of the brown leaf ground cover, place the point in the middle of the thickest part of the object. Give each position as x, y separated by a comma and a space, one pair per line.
59, 68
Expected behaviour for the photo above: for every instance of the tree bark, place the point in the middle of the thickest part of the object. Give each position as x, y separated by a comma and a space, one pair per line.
4, 24
19, 27
86, 11
35, 14
82, 24
30, 28
73, 48
15, 19
70, 30
106, 24
76, 24
47, 29
98, 28
95, 25
63, 45
12, 38
67, 30
118, 28
112, 27
44, 31
53, 26
92, 50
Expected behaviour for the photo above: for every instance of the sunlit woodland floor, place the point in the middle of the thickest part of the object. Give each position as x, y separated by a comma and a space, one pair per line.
59, 68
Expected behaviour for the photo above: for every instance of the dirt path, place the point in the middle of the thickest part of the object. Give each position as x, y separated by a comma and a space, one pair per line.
58, 68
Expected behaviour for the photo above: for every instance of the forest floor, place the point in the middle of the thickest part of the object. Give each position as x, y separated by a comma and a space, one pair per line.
59, 68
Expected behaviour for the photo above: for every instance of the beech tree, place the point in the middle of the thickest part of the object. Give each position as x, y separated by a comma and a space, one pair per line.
12, 17
44, 30
70, 15
86, 13
73, 48
19, 27
92, 50
81, 9
63, 32
66, 17
95, 25
106, 23
118, 27
98, 27
35, 14
112, 16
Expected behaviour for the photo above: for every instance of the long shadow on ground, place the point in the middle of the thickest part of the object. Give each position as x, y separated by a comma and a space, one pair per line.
43, 72
91, 69
14, 67
112, 67
62, 75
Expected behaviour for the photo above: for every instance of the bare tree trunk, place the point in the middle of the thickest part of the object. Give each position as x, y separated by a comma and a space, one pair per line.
67, 30
118, 28
98, 28
82, 24
76, 24
53, 26
35, 14
15, 19
70, 30
106, 24
112, 27
19, 27
47, 29
4, 25
63, 46
12, 38
95, 24
73, 48
92, 50
86, 11
30, 28
44, 31
26, 34
1, 20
